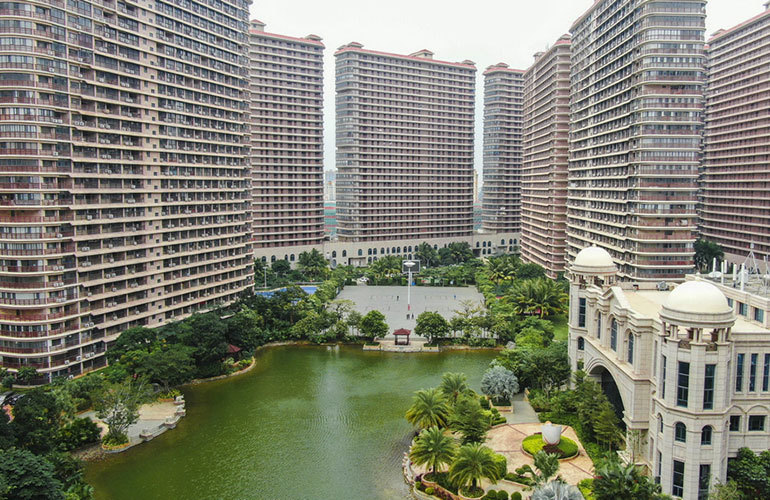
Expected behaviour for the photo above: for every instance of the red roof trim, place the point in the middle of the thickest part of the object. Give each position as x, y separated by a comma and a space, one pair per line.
741, 25
401, 56
286, 37
402, 331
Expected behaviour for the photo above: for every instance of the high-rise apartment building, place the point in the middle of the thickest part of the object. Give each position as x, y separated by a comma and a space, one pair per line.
123, 171
735, 182
286, 139
404, 145
545, 144
503, 104
637, 78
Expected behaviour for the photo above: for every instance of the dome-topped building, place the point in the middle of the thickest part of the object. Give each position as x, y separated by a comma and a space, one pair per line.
697, 303
594, 260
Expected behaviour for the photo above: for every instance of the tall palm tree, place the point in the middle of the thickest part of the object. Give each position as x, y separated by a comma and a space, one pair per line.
543, 297
453, 385
472, 463
557, 490
429, 408
433, 448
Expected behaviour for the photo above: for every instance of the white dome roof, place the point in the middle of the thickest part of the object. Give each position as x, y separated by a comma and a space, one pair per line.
699, 297
593, 257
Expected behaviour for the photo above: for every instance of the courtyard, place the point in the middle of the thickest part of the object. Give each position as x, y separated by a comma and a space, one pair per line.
392, 301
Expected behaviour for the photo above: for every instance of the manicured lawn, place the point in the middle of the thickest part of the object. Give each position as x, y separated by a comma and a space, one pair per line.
560, 327
534, 443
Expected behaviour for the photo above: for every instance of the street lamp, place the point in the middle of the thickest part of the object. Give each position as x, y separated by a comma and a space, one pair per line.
409, 265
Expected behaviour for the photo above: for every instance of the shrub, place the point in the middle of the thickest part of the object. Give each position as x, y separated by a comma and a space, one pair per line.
586, 487
484, 402
496, 495
170, 394
565, 449
518, 478
516, 496
429, 490
80, 432
114, 440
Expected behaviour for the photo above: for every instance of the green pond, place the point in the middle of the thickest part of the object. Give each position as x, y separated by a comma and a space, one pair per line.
306, 423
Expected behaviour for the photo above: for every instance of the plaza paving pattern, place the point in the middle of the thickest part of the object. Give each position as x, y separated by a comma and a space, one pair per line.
391, 301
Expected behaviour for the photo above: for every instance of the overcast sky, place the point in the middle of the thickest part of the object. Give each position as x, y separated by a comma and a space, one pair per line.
484, 31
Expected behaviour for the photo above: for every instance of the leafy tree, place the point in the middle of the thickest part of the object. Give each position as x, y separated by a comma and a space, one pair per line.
705, 253
36, 418
429, 408
280, 267
426, 254
78, 433
341, 308
613, 480
171, 366
470, 419
26, 374
354, 320
454, 385
206, 334
557, 490
531, 337
137, 338
751, 473
530, 271
473, 463
541, 297
7, 434
28, 476
119, 408
434, 448
313, 265
432, 326
373, 325
246, 329
725, 491
538, 368
499, 383
607, 427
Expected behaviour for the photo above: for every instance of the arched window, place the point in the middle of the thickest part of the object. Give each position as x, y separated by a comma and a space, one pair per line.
334, 253
435, 247
631, 348
264, 259
478, 244
393, 250
614, 335
344, 253
680, 432
705, 435
291, 257
360, 252
382, 251
285, 257
369, 251
599, 326
660, 423
502, 242
272, 258
581, 343
510, 241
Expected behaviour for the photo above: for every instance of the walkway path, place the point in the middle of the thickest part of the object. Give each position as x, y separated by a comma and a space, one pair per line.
151, 416
522, 411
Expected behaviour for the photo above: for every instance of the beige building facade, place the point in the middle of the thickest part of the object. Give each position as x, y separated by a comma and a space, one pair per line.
287, 190
503, 104
404, 145
638, 72
124, 141
688, 366
545, 144
735, 181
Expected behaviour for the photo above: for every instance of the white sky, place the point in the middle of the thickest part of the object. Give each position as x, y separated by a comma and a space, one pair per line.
484, 31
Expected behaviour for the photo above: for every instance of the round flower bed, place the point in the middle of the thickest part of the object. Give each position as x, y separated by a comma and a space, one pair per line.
566, 448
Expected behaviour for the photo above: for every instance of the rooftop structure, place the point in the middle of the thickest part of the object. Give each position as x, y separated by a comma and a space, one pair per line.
404, 146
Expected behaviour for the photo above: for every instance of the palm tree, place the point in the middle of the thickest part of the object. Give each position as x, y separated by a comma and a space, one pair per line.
433, 448
546, 465
557, 490
429, 408
453, 385
543, 297
472, 463
615, 480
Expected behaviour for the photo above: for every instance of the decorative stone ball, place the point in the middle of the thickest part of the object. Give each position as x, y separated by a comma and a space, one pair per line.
551, 433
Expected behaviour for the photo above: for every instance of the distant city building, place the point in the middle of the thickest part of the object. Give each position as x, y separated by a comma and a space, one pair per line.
123, 172
735, 185
638, 71
503, 104
286, 139
679, 366
330, 185
330, 219
404, 145
545, 160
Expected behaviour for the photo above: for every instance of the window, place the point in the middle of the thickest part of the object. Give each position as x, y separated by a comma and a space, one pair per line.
677, 488
599, 326
680, 432
582, 312
739, 373
614, 334
683, 384
753, 372
581, 344
743, 309
658, 470
766, 373
756, 422
730, 302
759, 315
631, 348
663, 378
735, 423
708, 387
660, 423
705, 435
704, 477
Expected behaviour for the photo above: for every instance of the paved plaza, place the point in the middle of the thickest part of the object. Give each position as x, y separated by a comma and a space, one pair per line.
391, 301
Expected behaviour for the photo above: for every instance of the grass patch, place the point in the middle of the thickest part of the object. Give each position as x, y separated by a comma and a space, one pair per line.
565, 449
560, 330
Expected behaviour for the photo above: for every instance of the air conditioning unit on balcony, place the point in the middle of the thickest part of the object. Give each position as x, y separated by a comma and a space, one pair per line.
56, 284
90, 293
110, 216
59, 235
85, 264
56, 153
110, 260
78, 358
109, 245
66, 361
85, 249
